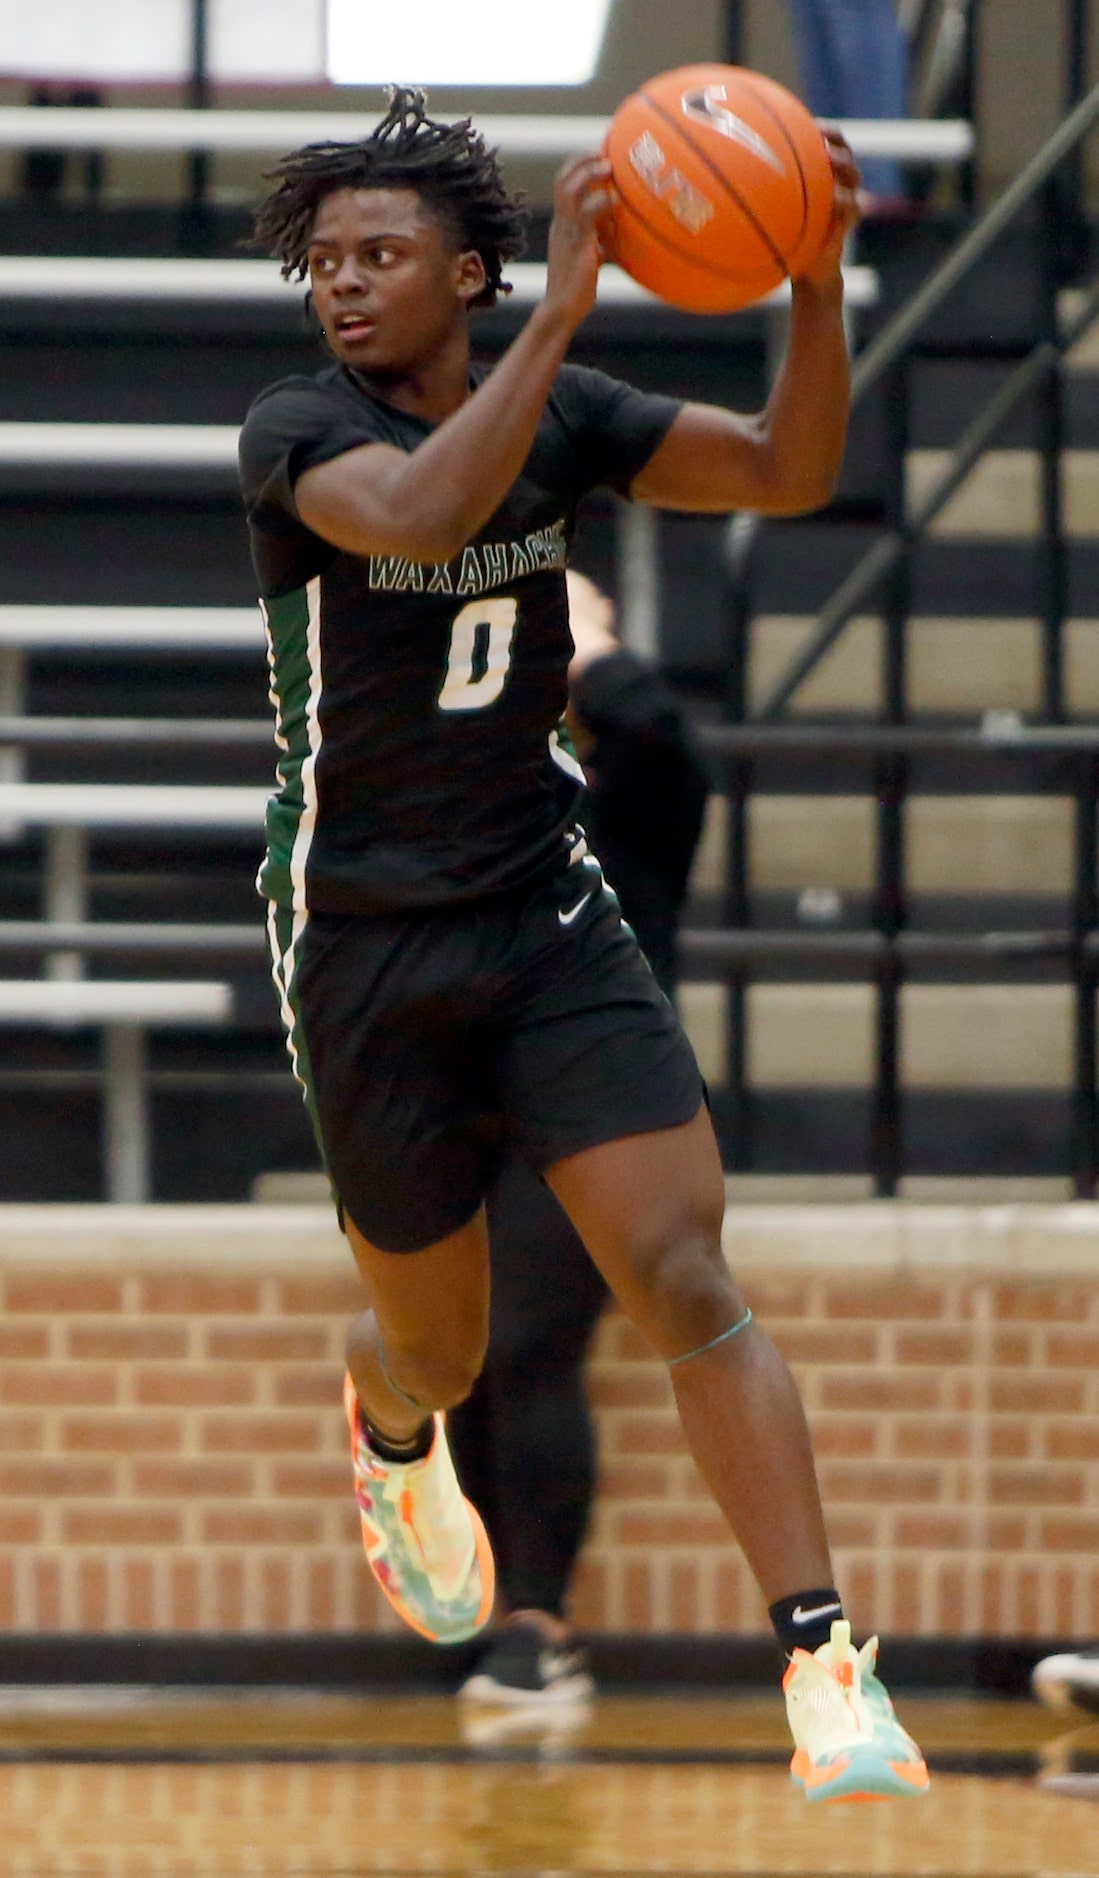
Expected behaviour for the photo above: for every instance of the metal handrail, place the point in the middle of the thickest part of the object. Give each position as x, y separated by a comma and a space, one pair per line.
866, 950
865, 576
1010, 754
806, 742
884, 352
886, 349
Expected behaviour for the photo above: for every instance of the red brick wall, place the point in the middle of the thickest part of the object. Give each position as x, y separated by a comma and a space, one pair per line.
172, 1449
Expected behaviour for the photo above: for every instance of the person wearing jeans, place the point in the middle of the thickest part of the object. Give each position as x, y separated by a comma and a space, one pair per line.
853, 60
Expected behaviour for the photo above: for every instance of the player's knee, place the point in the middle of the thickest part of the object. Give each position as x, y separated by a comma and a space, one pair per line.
679, 1281
433, 1376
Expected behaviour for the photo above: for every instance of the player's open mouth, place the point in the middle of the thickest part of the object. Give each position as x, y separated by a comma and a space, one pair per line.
353, 326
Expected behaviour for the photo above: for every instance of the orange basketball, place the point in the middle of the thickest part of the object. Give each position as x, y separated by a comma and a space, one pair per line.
724, 186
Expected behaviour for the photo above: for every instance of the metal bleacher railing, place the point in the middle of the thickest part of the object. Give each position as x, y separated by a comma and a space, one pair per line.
70, 812
892, 763
124, 1008
894, 756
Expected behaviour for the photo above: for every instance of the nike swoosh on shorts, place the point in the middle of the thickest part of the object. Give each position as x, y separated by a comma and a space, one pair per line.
567, 918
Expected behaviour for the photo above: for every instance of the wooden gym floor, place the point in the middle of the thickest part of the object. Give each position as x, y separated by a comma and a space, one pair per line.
125, 1783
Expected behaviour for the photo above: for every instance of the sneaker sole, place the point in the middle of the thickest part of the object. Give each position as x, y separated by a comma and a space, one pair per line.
861, 1774
571, 1692
1062, 1691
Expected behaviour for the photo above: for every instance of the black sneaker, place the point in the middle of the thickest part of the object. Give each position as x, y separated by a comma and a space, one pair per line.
522, 1668
1069, 1681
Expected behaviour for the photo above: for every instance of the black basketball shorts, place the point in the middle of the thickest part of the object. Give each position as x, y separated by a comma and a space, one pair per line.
434, 1044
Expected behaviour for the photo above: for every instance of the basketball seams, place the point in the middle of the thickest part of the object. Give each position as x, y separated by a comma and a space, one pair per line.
664, 240
656, 107
764, 106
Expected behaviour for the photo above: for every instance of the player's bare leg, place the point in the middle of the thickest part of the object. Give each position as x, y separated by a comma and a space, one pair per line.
650, 1208
427, 1330
414, 1353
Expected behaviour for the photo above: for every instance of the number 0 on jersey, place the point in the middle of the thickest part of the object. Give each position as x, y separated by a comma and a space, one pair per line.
480, 654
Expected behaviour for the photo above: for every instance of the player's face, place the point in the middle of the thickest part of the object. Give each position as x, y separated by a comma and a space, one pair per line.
388, 284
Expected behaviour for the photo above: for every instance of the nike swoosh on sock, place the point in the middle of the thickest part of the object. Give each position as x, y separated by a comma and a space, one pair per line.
798, 1616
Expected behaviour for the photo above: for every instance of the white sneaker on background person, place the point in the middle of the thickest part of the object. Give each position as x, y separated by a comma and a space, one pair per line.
1069, 1680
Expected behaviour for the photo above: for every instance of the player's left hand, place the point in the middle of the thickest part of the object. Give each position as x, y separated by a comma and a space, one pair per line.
582, 198
846, 177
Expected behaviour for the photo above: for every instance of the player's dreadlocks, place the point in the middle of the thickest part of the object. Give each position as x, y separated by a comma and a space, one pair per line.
446, 164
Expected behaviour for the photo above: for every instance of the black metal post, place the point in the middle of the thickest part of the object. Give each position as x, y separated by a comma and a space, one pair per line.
1076, 52
896, 599
967, 105
1052, 547
1085, 1103
198, 98
736, 913
886, 1133
738, 564
1076, 83
1052, 565
734, 32
887, 1150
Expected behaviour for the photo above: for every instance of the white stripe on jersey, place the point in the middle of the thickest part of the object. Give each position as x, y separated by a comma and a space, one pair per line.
272, 694
282, 971
304, 837
565, 759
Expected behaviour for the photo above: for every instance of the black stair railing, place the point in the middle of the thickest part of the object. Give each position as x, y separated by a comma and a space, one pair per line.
900, 759
886, 351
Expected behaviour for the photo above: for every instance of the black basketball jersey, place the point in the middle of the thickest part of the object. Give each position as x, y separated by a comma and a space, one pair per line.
417, 704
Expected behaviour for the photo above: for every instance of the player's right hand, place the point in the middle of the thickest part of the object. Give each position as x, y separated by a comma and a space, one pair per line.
846, 177
582, 195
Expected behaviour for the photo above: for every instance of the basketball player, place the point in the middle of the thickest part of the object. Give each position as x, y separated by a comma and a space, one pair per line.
455, 980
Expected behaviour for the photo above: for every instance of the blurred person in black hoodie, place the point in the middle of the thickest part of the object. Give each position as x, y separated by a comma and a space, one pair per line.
523, 1440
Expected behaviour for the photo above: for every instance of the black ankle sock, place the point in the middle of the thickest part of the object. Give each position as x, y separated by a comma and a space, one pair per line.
805, 1621
387, 1449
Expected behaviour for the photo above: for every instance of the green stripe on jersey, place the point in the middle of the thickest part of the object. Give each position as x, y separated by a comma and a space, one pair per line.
293, 655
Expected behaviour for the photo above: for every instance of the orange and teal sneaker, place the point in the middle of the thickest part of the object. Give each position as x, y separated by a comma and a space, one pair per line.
426, 1545
848, 1742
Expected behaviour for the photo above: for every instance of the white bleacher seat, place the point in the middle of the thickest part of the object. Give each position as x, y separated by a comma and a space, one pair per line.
82, 277
122, 1011
68, 1002
152, 628
119, 446
134, 805
938, 141
69, 812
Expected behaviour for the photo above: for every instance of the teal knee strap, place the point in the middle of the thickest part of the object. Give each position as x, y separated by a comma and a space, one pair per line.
733, 1330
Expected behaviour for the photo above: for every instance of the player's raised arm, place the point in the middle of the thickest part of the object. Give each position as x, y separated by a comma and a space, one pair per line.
785, 459
394, 305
